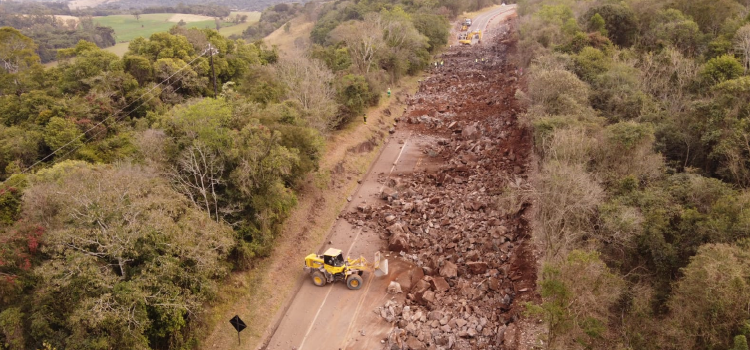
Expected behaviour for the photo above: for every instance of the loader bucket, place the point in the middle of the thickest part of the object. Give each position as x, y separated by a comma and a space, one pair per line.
380, 266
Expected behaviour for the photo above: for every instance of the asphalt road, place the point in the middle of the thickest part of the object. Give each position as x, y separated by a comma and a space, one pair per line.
333, 317
481, 21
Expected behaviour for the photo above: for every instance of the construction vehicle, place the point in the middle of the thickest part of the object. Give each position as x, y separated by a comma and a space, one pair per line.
465, 26
466, 38
331, 267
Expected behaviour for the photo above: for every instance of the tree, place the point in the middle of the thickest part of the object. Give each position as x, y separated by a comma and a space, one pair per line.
198, 174
62, 135
558, 91
710, 15
710, 302
742, 45
129, 260
16, 51
311, 83
139, 67
287, 26
364, 39
721, 69
620, 22
577, 294
435, 27
137, 15
597, 24
17, 56
672, 28
354, 95
740, 343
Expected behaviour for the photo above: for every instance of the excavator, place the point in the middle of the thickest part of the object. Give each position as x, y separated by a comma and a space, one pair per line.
466, 38
331, 267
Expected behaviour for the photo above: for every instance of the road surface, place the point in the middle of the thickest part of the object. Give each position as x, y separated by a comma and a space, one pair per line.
481, 21
332, 316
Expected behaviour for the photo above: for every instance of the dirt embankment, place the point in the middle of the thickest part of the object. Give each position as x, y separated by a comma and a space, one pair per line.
476, 263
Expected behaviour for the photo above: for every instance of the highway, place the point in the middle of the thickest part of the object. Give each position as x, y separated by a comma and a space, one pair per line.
481, 21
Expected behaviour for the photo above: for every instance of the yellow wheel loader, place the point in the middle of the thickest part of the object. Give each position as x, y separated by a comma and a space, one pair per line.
331, 267
466, 38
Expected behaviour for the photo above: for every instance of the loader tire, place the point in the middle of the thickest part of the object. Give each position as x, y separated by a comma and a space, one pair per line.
354, 282
318, 278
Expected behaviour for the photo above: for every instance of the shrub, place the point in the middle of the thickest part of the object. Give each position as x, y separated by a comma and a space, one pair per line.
558, 91
577, 293
589, 63
710, 302
721, 69
567, 198
627, 149
620, 22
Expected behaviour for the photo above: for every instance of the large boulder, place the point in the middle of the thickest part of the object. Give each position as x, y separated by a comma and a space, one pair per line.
449, 270
477, 267
394, 288
421, 287
395, 229
412, 343
470, 132
396, 339
440, 285
399, 242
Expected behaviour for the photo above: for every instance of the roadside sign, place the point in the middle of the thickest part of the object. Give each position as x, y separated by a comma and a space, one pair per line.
239, 325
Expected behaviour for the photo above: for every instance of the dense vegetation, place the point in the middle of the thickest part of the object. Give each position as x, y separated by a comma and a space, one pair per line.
641, 122
130, 189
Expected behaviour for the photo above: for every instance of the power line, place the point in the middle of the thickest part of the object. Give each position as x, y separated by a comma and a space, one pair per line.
96, 133
112, 115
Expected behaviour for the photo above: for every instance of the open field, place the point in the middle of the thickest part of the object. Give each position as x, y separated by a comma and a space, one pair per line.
120, 49
300, 29
189, 18
252, 17
128, 28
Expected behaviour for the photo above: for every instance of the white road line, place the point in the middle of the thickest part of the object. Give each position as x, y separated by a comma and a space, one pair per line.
396, 162
356, 311
309, 329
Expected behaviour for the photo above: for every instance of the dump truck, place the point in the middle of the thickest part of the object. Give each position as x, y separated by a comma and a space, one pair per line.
331, 266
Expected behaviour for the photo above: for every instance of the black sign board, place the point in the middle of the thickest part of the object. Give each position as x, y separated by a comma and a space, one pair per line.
239, 325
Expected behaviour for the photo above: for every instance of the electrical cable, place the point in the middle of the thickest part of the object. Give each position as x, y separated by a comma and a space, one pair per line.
112, 115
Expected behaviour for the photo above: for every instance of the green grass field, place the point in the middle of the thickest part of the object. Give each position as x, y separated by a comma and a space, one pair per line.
252, 17
128, 28
119, 49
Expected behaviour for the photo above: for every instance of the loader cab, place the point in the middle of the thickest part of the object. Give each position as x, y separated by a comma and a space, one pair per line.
333, 257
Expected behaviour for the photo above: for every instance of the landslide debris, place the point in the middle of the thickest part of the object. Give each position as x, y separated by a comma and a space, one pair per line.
474, 260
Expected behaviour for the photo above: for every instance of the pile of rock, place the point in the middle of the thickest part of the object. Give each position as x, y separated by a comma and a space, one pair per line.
469, 252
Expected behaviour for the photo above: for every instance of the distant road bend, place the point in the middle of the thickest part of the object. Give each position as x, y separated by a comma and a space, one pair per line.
481, 21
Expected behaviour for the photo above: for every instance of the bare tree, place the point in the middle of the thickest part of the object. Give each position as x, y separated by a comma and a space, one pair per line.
310, 82
364, 39
666, 76
742, 45
197, 175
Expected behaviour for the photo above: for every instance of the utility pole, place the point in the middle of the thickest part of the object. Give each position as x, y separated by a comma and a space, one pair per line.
212, 50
